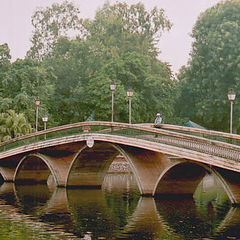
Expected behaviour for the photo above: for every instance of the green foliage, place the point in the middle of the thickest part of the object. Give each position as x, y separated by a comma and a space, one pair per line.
51, 23
83, 89
23, 82
13, 125
213, 69
120, 46
72, 77
4, 63
121, 28
4, 55
72, 64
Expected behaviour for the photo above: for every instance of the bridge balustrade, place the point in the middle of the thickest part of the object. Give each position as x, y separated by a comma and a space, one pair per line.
184, 137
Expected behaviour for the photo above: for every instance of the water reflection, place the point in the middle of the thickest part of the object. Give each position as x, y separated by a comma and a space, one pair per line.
144, 223
7, 193
118, 212
185, 219
32, 199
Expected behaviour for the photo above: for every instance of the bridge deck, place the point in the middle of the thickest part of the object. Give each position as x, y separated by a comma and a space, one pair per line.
224, 145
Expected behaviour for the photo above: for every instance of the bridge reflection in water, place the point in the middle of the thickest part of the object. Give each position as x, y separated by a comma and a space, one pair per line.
117, 211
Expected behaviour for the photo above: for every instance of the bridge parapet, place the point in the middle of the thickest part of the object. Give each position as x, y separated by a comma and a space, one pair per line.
209, 134
167, 134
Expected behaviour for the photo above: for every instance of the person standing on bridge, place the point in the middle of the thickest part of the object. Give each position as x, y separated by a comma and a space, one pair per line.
157, 122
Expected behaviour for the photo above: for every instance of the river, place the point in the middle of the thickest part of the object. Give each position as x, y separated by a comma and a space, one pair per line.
117, 211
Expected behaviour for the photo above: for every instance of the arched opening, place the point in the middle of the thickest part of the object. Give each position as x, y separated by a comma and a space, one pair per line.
206, 211
91, 165
199, 181
106, 166
211, 193
180, 180
121, 176
31, 170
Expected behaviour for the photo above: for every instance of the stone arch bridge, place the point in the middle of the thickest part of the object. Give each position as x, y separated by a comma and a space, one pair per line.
167, 160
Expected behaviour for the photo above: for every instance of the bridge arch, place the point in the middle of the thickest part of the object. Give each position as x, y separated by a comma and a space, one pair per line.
132, 167
184, 177
34, 168
90, 165
231, 188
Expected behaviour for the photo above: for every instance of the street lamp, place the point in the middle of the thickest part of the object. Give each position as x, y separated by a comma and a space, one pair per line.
37, 103
231, 98
130, 94
112, 88
45, 119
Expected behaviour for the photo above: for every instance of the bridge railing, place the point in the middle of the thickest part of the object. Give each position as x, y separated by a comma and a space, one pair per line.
52, 133
109, 126
184, 137
210, 134
201, 144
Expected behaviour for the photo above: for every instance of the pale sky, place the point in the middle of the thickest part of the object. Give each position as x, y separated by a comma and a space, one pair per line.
16, 28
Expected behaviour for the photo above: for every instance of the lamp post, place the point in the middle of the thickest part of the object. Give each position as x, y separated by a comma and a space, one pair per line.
45, 119
130, 94
112, 88
231, 98
37, 104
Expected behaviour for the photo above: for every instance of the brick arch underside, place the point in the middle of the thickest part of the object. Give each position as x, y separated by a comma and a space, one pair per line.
184, 178
160, 174
181, 179
31, 170
231, 183
155, 172
90, 165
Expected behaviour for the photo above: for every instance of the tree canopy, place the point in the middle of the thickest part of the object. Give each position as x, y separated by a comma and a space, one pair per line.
120, 46
214, 68
49, 24
72, 62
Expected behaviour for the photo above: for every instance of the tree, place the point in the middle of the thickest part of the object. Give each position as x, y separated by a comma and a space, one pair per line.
152, 91
73, 65
4, 63
120, 46
13, 125
214, 67
121, 28
28, 79
83, 78
4, 55
51, 23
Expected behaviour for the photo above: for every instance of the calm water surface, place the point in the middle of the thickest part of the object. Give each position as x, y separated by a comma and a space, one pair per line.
116, 211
